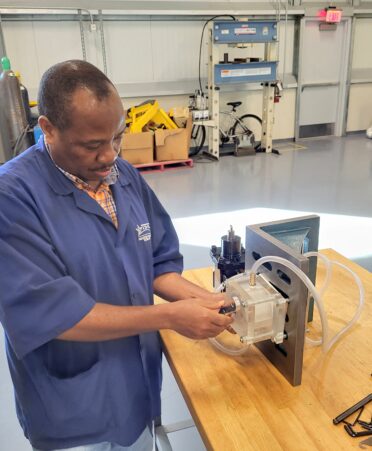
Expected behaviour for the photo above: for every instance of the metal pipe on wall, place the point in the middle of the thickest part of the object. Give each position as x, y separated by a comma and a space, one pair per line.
103, 46
82, 36
2, 41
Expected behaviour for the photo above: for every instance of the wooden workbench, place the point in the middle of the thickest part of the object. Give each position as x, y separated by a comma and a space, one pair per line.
243, 403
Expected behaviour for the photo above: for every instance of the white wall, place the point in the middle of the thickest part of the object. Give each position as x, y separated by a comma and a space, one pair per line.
163, 55
362, 54
360, 97
152, 51
140, 53
360, 107
34, 46
137, 51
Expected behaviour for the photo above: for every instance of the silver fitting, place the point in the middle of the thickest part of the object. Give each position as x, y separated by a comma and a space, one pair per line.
246, 340
237, 303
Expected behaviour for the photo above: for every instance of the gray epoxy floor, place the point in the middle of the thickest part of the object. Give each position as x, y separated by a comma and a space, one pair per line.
332, 177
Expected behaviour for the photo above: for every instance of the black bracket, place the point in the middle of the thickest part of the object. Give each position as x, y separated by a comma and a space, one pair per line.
349, 427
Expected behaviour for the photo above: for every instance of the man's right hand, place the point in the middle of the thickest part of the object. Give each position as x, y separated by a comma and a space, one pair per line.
198, 318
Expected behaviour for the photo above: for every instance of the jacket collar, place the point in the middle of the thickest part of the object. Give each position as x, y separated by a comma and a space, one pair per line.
54, 177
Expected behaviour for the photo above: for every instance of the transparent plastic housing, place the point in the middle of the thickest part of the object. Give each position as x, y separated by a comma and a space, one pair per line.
261, 310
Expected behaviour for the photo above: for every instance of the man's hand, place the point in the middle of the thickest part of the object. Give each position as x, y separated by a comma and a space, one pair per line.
195, 317
198, 318
227, 302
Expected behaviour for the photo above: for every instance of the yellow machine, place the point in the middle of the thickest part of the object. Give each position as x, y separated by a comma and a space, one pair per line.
149, 111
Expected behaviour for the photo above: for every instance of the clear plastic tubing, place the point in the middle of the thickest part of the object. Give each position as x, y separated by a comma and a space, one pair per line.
328, 264
308, 284
327, 280
358, 312
226, 350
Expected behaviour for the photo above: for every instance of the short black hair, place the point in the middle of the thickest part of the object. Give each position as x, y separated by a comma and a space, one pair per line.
59, 83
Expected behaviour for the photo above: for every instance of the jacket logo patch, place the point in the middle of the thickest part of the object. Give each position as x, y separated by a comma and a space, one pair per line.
144, 232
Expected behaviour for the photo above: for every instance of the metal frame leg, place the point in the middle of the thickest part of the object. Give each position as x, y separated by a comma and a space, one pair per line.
162, 431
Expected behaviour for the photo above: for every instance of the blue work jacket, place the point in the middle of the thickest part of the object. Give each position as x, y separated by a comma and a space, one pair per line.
59, 254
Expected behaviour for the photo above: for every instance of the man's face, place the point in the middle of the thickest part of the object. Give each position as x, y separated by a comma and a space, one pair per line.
89, 147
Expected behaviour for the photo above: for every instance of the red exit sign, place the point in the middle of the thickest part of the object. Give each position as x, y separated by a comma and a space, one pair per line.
330, 15
333, 15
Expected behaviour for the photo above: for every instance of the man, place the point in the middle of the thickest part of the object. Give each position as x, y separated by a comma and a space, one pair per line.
84, 243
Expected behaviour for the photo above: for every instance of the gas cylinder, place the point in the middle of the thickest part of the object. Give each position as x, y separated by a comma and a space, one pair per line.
13, 109
24, 97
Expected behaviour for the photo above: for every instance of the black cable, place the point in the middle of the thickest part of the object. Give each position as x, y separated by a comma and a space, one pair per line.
201, 43
200, 158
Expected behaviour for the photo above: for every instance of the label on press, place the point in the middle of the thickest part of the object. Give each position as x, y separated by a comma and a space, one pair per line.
248, 72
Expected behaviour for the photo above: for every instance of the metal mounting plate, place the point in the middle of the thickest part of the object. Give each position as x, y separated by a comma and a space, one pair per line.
288, 356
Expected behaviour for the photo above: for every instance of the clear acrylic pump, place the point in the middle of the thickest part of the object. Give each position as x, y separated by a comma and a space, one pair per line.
259, 310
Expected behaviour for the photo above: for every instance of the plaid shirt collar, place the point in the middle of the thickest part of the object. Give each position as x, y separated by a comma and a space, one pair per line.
111, 179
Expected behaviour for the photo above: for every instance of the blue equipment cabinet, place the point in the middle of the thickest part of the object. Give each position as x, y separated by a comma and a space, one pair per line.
256, 72
233, 32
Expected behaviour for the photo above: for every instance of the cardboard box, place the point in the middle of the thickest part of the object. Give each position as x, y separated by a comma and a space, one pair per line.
179, 115
173, 144
180, 121
138, 148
